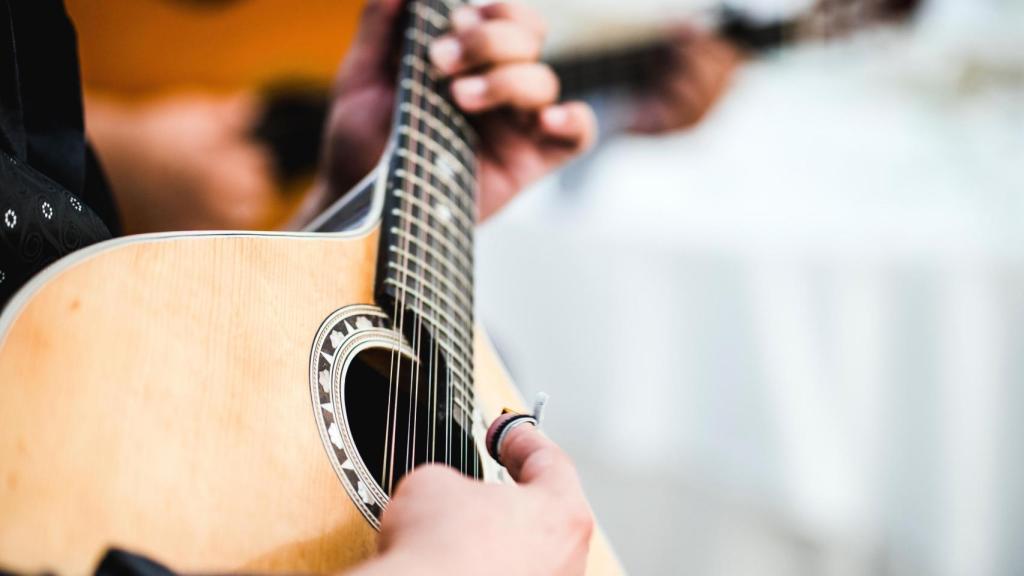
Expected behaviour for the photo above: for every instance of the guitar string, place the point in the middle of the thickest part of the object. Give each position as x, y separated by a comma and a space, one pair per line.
466, 422
454, 197
432, 376
446, 122
449, 391
431, 111
449, 121
470, 328
412, 424
419, 80
410, 445
398, 318
405, 211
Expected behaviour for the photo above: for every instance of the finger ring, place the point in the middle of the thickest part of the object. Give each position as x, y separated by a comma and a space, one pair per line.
509, 424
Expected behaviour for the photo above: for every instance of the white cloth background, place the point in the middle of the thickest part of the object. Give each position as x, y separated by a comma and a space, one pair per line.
790, 342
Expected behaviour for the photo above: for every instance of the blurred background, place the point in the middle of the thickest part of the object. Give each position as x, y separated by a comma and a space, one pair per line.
789, 339
779, 310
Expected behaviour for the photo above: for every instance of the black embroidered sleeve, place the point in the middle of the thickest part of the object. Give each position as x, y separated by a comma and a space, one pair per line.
51, 188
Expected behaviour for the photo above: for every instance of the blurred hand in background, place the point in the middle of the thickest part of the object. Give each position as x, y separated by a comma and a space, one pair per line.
699, 68
185, 162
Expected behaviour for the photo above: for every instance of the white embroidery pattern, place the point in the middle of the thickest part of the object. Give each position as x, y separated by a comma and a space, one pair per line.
47, 211
10, 219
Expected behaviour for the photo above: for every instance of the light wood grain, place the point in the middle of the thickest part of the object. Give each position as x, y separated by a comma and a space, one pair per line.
155, 397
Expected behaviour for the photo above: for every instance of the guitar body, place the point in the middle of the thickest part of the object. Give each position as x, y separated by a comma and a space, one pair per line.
248, 402
154, 396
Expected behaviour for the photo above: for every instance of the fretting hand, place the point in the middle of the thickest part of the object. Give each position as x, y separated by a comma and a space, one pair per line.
491, 54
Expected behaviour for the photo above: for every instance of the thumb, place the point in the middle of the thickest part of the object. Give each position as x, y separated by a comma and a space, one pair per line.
239, 111
532, 458
368, 57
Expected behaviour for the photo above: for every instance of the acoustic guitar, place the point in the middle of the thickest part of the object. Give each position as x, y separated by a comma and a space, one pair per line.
639, 66
245, 401
291, 124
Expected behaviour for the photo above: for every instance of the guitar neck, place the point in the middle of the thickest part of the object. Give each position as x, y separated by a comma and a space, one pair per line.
425, 264
639, 66
628, 68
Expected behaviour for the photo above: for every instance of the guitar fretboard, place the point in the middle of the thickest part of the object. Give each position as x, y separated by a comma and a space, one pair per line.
631, 67
425, 269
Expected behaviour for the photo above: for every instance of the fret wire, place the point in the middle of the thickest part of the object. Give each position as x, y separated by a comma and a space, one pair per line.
450, 336
461, 398
464, 374
444, 107
441, 129
437, 149
449, 182
465, 154
419, 299
401, 286
456, 308
403, 201
433, 235
450, 119
466, 301
459, 244
420, 65
439, 195
463, 142
451, 5
437, 168
444, 8
459, 254
427, 12
454, 122
447, 263
450, 115
461, 402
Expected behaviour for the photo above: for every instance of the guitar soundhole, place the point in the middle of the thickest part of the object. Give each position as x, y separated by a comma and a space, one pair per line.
400, 417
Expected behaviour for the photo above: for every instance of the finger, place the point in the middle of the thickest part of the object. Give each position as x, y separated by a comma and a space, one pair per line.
684, 34
493, 42
571, 124
368, 56
515, 12
240, 111
426, 479
708, 77
533, 459
414, 503
650, 116
523, 86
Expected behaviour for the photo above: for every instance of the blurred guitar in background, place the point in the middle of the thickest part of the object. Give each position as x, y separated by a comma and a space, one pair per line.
240, 87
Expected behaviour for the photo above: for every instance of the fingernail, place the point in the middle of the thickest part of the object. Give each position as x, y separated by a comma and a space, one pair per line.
556, 116
445, 53
465, 17
471, 88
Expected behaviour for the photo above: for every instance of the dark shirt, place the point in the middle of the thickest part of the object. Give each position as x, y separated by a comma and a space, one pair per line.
53, 198
118, 563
